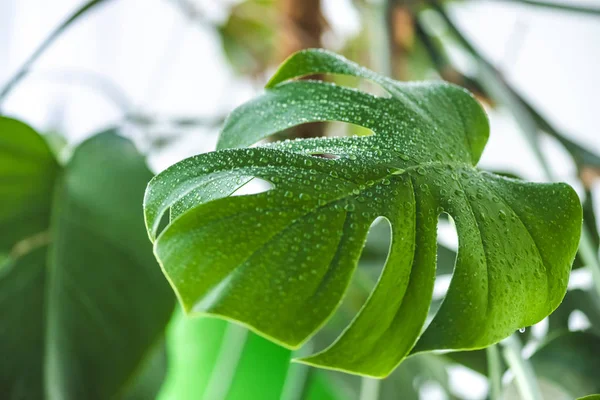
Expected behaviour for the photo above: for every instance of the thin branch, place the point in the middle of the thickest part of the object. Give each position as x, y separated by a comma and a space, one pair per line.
145, 120
369, 388
230, 353
91, 79
559, 6
526, 380
24, 69
494, 372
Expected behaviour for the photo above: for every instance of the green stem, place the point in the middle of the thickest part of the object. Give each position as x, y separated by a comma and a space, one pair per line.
297, 376
225, 367
24, 69
369, 388
590, 256
494, 372
378, 32
524, 375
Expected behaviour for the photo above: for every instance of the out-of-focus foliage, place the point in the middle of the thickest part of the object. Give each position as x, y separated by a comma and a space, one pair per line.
570, 361
82, 301
248, 36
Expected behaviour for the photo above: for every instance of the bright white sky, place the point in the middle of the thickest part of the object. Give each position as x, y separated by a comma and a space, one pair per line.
552, 58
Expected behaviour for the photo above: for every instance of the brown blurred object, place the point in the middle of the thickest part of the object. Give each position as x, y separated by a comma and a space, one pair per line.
402, 37
301, 27
588, 175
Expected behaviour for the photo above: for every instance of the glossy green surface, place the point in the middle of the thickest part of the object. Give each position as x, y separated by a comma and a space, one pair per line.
280, 261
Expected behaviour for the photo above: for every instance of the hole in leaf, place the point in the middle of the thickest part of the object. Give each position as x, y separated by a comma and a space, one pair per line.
447, 249
342, 129
223, 185
253, 186
362, 84
322, 129
326, 156
366, 275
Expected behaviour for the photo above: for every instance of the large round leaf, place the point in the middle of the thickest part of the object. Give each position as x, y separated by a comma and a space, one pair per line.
280, 261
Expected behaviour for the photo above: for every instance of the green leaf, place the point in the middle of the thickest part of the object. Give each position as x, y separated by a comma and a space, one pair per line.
587, 302
82, 300
28, 172
280, 261
571, 361
150, 375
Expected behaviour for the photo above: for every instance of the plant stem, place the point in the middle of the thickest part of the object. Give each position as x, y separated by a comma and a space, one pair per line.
378, 32
524, 375
555, 5
297, 376
494, 372
229, 356
369, 388
590, 256
24, 69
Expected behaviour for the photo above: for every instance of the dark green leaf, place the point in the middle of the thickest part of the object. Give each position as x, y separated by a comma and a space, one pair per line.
572, 361
82, 300
27, 172
280, 261
149, 376
585, 301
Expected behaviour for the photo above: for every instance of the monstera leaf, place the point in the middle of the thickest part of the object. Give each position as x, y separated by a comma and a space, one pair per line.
280, 261
82, 302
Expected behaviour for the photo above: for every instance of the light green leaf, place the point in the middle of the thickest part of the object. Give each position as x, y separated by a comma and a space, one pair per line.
82, 300
280, 261
210, 358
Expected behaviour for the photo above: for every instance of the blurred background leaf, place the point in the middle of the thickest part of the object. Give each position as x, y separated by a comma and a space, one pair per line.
83, 299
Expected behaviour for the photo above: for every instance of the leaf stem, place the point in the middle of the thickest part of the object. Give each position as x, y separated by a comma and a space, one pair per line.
524, 375
494, 372
369, 388
24, 69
